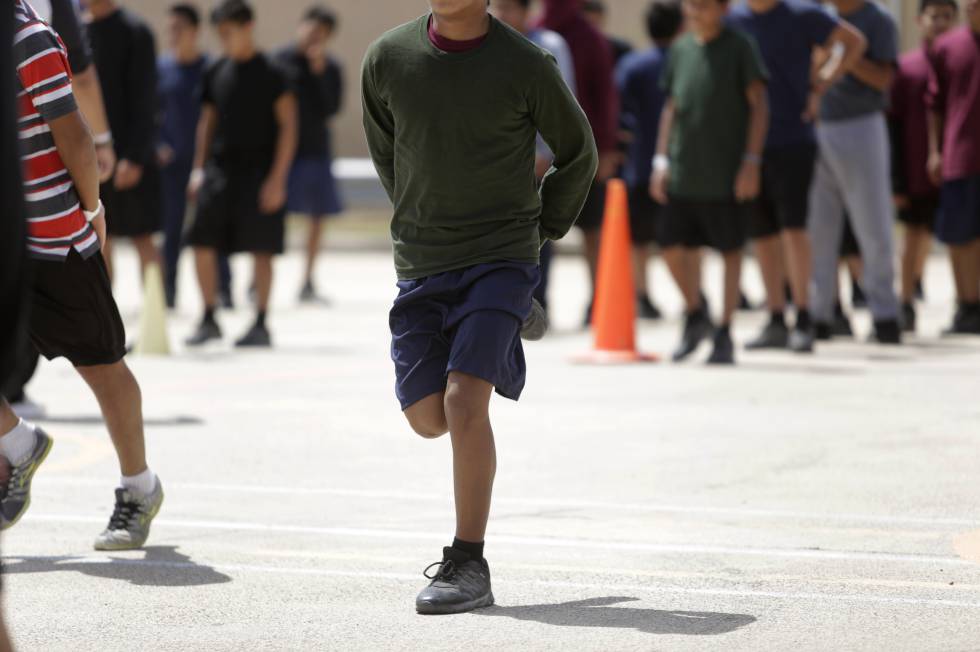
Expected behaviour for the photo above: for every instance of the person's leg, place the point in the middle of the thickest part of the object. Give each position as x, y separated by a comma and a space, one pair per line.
312, 248
592, 241
799, 259
263, 281
965, 259
769, 254
174, 180
148, 252
911, 257
8, 420
684, 266
206, 263
121, 402
428, 416
640, 259
825, 225
732, 280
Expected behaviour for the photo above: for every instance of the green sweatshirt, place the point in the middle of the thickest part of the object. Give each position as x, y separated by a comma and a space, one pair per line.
453, 139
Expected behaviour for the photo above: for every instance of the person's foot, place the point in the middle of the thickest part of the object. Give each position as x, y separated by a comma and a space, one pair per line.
724, 349
744, 303
841, 326
258, 336
908, 318
801, 340
858, 298
697, 327
208, 330
535, 327
966, 321
646, 309
15, 496
27, 409
774, 336
129, 526
459, 584
823, 331
920, 291
887, 331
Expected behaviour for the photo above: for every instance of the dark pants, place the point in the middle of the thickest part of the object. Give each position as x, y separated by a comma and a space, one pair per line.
25, 364
541, 292
175, 178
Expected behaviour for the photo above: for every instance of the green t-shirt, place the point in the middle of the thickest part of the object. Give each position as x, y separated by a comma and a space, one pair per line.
452, 136
707, 83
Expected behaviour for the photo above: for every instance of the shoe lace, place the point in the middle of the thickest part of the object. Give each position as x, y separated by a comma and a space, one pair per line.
446, 571
123, 514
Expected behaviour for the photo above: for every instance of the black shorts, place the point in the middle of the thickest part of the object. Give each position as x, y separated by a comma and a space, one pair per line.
787, 173
645, 216
921, 211
959, 220
695, 223
590, 219
228, 218
73, 313
137, 211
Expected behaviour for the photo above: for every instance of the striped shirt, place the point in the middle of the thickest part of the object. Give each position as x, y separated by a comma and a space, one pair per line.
56, 223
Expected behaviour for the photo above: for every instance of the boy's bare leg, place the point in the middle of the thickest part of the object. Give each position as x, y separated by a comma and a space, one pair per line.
121, 402
8, 420
313, 247
206, 263
684, 266
733, 278
768, 251
912, 260
148, 252
263, 281
467, 406
799, 263
641, 256
428, 416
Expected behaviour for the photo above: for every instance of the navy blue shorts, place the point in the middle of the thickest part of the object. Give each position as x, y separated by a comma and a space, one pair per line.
959, 218
467, 320
312, 187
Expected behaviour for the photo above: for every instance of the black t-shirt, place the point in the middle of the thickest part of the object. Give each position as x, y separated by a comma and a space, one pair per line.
317, 96
244, 94
65, 21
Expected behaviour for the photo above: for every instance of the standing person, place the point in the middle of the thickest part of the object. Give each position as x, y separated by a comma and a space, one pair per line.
596, 91
954, 159
469, 220
179, 76
317, 80
597, 13
853, 175
642, 101
709, 155
125, 56
788, 33
516, 14
73, 314
246, 140
916, 196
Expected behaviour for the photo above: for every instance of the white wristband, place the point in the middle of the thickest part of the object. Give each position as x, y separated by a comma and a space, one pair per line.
661, 163
197, 175
104, 138
90, 216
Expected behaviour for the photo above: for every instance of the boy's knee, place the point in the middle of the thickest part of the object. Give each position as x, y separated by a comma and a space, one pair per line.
427, 418
464, 408
429, 429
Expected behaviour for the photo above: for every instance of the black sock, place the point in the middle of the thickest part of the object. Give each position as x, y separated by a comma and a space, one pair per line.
474, 550
777, 318
724, 328
803, 318
209, 315
260, 319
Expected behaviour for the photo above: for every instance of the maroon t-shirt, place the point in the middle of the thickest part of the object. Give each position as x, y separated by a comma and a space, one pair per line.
449, 45
954, 93
910, 113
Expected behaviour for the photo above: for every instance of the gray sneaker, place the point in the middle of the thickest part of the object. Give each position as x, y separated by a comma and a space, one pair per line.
536, 325
129, 526
15, 496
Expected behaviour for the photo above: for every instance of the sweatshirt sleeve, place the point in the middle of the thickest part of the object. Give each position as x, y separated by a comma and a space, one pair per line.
565, 129
141, 82
379, 125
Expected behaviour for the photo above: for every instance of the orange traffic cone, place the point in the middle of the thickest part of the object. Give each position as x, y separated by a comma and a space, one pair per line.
614, 311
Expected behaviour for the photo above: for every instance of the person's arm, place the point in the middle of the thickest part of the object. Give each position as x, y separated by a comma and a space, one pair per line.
272, 195
829, 69
563, 126
936, 101
76, 148
379, 127
660, 177
877, 67
748, 182
873, 73
202, 147
88, 93
141, 82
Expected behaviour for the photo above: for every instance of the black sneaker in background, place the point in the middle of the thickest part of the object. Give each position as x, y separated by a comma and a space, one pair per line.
459, 584
801, 340
723, 352
774, 336
646, 309
920, 291
697, 327
888, 331
207, 331
966, 321
841, 326
823, 331
258, 336
535, 327
744, 303
858, 298
908, 318
226, 300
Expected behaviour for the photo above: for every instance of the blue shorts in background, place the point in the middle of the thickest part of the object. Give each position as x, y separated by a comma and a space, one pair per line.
467, 320
959, 218
312, 187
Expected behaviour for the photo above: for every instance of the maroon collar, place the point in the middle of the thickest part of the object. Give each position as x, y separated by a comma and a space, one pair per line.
449, 45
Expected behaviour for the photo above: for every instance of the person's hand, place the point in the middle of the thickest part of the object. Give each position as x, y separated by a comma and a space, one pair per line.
272, 195
105, 156
194, 184
812, 111
128, 174
935, 168
659, 181
165, 155
748, 182
901, 202
608, 163
99, 225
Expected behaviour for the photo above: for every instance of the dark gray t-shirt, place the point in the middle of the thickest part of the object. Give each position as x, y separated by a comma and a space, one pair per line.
850, 97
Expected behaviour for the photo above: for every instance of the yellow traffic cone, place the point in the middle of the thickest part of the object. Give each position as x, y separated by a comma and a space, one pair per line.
153, 338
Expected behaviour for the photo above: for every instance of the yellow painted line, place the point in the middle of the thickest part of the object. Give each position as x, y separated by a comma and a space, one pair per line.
967, 546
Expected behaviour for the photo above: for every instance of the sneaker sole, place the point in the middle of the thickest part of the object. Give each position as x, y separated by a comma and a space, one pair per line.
6, 525
133, 546
425, 609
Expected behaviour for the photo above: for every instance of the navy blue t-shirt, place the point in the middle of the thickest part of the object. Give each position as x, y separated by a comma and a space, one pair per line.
787, 35
642, 100
179, 86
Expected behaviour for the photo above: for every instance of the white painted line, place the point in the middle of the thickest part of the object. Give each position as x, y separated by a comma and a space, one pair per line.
545, 542
645, 588
556, 503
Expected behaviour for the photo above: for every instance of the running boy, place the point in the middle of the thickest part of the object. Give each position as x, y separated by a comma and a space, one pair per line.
457, 162
916, 196
954, 159
709, 155
788, 33
73, 314
246, 140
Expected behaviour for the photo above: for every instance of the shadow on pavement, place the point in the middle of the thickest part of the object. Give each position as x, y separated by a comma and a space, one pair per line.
162, 566
597, 612
95, 420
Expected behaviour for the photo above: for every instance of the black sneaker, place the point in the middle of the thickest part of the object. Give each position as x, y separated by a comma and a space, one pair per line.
774, 336
887, 331
258, 336
535, 327
207, 331
801, 340
823, 331
459, 584
724, 350
920, 291
226, 299
15, 496
697, 327
646, 308
966, 321
744, 303
908, 318
858, 298
842, 324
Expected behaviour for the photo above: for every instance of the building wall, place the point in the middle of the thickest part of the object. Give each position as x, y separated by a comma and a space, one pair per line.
361, 21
